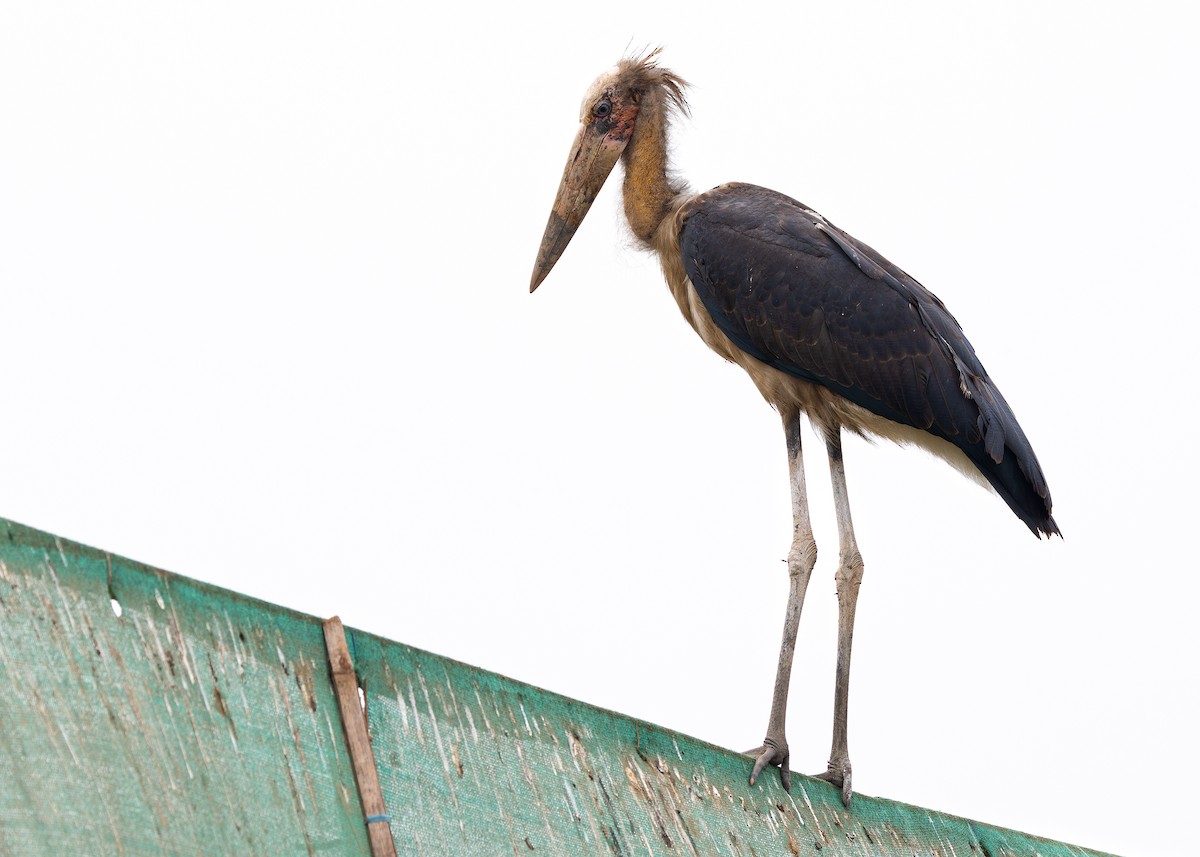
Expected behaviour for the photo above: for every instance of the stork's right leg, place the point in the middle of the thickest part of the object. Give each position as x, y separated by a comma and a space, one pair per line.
848, 577
801, 559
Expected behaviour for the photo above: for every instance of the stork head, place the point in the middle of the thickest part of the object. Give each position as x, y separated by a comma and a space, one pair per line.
607, 118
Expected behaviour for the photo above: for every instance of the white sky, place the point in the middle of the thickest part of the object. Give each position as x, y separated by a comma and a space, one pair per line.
265, 322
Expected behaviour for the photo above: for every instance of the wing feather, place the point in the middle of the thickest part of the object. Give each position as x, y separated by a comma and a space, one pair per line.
802, 296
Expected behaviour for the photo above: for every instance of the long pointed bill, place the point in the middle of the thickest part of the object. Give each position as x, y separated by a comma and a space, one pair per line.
593, 156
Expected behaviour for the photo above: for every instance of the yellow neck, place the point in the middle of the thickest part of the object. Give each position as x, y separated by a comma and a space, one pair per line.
648, 189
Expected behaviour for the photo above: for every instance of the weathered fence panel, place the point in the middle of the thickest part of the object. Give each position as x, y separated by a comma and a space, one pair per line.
143, 713
475, 763
195, 723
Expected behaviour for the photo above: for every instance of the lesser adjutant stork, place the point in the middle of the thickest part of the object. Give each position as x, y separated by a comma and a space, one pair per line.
824, 325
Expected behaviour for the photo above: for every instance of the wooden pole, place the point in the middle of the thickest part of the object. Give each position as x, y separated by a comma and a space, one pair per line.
354, 723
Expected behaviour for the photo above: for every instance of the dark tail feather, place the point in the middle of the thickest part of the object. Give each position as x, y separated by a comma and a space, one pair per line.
1009, 479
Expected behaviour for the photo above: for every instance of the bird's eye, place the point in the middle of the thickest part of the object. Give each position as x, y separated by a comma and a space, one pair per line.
602, 109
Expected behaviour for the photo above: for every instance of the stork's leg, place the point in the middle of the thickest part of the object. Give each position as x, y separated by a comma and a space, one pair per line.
801, 559
848, 577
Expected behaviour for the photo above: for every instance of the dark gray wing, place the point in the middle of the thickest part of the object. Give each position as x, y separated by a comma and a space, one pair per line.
804, 297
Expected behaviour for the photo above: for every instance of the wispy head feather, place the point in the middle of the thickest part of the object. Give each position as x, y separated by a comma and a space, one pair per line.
644, 73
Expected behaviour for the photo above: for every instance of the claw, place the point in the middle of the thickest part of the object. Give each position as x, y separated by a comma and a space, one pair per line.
839, 774
771, 754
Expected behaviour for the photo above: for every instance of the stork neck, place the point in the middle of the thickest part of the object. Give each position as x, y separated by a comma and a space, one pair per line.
648, 189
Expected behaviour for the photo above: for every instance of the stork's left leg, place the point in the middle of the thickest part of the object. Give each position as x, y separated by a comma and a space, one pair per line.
848, 577
801, 559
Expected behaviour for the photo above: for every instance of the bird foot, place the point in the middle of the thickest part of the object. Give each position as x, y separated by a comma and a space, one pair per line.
838, 774
774, 751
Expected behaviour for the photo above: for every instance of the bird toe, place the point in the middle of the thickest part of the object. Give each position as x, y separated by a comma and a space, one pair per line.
838, 774
772, 752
